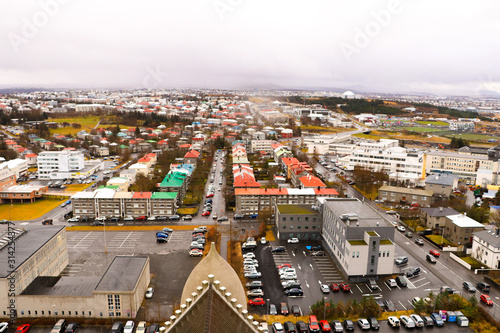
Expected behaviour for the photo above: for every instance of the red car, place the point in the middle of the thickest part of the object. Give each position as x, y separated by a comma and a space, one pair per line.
23, 328
257, 301
141, 218
486, 299
334, 287
284, 265
209, 195
435, 253
345, 287
313, 324
205, 213
325, 327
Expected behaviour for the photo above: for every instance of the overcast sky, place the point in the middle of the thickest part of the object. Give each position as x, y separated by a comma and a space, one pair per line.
441, 47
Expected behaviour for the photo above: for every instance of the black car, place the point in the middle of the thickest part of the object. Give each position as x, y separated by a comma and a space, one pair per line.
47, 222
349, 325
316, 248
222, 219
428, 321
98, 223
401, 281
430, 259
296, 311
278, 249
413, 272
289, 327
294, 292
161, 218
469, 286
389, 305
153, 328
161, 239
174, 218
373, 323
114, 219
71, 328
483, 286
292, 285
117, 327
301, 327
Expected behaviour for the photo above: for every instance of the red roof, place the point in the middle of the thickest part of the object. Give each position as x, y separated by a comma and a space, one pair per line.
245, 180
290, 160
326, 191
311, 181
31, 155
141, 195
192, 154
144, 159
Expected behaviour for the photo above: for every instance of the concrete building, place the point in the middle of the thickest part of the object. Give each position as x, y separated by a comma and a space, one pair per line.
459, 229
64, 164
403, 195
441, 184
261, 145
121, 183
175, 181
18, 166
358, 238
486, 247
21, 193
435, 218
7, 178
300, 221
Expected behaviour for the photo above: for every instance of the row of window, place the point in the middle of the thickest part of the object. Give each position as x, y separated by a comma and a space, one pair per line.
298, 227
291, 218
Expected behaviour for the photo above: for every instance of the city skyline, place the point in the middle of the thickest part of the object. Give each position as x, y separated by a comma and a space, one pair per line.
380, 46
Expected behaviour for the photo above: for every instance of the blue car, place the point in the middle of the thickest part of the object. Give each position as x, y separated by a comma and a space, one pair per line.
253, 216
438, 321
160, 234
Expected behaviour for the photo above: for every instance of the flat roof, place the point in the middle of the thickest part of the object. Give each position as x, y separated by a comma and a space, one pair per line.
123, 195
296, 209
164, 195
464, 221
405, 190
367, 216
26, 245
122, 274
83, 195
62, 286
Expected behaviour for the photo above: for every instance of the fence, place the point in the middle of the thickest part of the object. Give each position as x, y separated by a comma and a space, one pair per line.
460, 261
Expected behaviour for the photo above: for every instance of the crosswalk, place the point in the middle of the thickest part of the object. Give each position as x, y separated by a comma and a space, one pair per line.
83, 240
125, 240
328, 271
281, 258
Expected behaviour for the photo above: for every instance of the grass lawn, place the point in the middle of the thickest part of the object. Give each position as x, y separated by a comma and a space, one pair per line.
421, 129
188, 211
437, 239
28, 211
436, 123
76, 187
474, 137
473, 262
88, 124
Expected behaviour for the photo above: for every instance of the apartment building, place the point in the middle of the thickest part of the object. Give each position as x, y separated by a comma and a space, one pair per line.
109, 203
253, 200
261, 145
404, 195
175, 181
7, 178
358, 238
481, 169
59, 164
486, 247
459, 229
441, 184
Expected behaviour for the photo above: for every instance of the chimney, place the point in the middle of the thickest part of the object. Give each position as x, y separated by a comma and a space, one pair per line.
440, 209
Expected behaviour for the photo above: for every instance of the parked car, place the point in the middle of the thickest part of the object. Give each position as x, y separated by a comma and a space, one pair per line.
254, 285
129, 327
313, 324
301, 327
373, 284
334, 287
401, 261
195, 253
222, 219
253, 216
336, 326
253, 275
128, 218
278, 249
141, 218
296, 310
71, 328
348, 325
153, 328
401, 228
438, 321
407, 322
149, 292
174, 218
428, 321
259, 301
289, 327
278, 327
324, 288
324, 326
374, 323
446, 289
392, 283
263, 241
284, 309
363, 324
419, 322
272, 309
59, 327
117, 327
250, 255
401, 281
238, 216
255, 293
47, 222
344, 287
294, 292
187, 218
389, 305
393, 321
141, 327
293, 240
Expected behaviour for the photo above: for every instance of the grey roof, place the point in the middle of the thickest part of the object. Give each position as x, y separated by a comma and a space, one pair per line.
122, 274
489, 236
440, 211
473, 150
406, 190
367, 216
26, 245
62, 286
441, 179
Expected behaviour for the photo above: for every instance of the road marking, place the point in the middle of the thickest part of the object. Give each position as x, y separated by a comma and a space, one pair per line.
299, 266
83, 239
428, 282
410, 303
404, 307
418, 280
304, 253
319, 281
387, 286
307, 285
361, 291
293, 253
311, 266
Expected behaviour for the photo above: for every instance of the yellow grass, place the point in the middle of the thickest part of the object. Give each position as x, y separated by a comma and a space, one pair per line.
88, 124
132, 227
76, 187
28, 211
270, 235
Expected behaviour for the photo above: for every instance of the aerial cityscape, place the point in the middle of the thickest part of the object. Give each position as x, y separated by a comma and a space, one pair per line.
231, 166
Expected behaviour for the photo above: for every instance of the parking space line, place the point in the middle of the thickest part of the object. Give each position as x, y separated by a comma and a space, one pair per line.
428, 282
83, 238
418, 280
361, 291
404, 307
130, 233
387, 285
410, 303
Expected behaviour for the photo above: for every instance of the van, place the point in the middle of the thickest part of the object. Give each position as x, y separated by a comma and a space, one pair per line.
59, 327
401, 281
426, 232
483, 286
391, 212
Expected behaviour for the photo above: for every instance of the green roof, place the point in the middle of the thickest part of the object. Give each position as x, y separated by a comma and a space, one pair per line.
164, 195
173, 179
296, 209
113, 187
386, 242
123, 146
357, 242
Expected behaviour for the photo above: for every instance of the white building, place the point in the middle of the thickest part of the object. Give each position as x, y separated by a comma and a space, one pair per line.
17, 166
486, 247
261, 145
362, 243
60, 164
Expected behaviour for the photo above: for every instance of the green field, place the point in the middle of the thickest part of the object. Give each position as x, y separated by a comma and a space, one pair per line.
435, 123
473, 137
88, 124
421, 129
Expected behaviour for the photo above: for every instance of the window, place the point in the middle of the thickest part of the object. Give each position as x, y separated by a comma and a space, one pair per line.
379, 254
299, 219
291, 218
291, 227
307, 219
374, 245
284, 219
110, 302
353, 254
284, 227
372, 261
357, 254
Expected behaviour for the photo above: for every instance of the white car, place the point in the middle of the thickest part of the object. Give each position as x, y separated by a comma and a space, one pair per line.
4, 326
249, 255
407, 322
392, 283
152, 218
141, 327
129, 327
401, 228
263, 240
255, 293
393, 321
128, 218
149, 292
293, 241
364, 324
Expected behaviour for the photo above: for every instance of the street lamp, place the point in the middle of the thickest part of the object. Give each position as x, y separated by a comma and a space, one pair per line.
324, 313
267, 315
